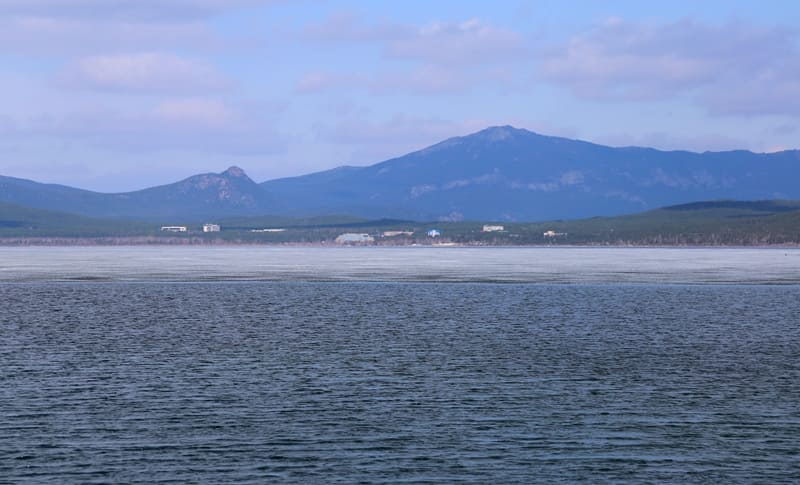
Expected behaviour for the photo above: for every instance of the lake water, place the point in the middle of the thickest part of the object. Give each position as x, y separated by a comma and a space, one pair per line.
387, 365
450, 264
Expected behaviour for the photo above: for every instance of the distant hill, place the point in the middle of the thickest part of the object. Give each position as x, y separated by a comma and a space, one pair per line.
740, 207
199, 197
500, 173
699, 223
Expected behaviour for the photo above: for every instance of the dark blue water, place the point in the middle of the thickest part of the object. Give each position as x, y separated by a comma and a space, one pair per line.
299, 382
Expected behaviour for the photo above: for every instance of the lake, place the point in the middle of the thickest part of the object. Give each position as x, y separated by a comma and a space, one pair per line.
442, 264
387, 365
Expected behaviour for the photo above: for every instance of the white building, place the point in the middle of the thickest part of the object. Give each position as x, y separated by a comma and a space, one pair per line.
489, 228
434, 233
354, 238
174, 228
397, 233
552, 233
210, 227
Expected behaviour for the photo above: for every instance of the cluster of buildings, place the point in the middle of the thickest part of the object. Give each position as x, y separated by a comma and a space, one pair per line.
352, 238
206, 228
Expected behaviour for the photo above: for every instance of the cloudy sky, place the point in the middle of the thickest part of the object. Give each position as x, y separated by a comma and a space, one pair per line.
116, 95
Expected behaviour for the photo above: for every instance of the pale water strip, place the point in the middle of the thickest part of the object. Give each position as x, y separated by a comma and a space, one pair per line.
533, 265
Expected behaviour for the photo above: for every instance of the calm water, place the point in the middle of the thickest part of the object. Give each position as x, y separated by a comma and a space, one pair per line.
374, 366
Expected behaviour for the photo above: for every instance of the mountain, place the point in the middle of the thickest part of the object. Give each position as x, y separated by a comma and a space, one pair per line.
500, 173
198, 197
504, 173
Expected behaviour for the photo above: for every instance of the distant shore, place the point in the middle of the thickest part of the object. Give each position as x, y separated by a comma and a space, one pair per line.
201, 241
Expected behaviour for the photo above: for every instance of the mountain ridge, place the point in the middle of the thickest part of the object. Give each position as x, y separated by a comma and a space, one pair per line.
498, 173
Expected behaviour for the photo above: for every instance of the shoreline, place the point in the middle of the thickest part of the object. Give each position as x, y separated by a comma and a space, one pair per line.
199, 242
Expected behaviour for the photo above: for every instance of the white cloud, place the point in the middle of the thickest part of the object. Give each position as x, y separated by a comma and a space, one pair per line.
618, 60
468, 42
734, 68
462, 43
436, 58
149, 72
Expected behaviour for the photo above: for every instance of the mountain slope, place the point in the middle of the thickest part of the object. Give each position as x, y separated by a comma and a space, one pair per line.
198, 197
506, 173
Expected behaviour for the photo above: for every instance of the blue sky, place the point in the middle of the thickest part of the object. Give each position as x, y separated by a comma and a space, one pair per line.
116, 95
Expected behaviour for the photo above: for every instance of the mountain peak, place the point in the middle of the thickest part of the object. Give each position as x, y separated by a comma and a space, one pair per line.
498, 133
492, 134
234, 171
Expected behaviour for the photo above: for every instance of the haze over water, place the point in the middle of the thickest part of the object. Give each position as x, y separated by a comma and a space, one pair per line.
386, 365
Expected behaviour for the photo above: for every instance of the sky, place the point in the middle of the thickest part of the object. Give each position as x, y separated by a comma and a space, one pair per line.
118, 95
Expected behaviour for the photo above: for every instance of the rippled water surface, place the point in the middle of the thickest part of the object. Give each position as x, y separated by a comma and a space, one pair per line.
598, 376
